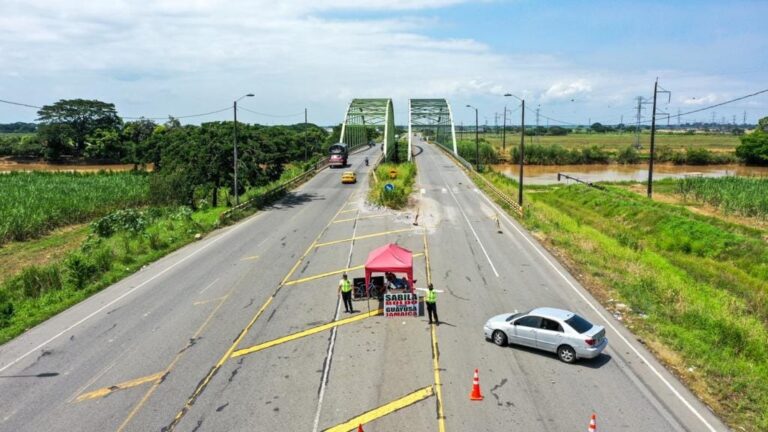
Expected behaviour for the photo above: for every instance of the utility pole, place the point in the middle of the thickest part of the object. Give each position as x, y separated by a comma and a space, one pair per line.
522, 154
496, 122
536, 131
504, 131
305, 134
653, 136
744, 122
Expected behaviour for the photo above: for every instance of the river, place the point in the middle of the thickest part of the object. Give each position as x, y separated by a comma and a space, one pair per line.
547, 174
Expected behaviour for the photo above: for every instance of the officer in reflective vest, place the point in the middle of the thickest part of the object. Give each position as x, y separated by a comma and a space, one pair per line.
345, 288
431, 301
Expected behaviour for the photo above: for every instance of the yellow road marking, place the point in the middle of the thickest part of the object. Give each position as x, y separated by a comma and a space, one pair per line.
201, 386
104, 391
250, 258
202, 302
334, 272
175, 360
383, 410
435, 352
301, 334
379, 234
359, 218
348, 211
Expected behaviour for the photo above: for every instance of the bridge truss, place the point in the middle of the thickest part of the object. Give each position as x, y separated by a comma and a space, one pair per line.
433, 118
369, 120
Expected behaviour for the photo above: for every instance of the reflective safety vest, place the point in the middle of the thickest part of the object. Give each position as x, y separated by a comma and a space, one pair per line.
346, 286
431, 296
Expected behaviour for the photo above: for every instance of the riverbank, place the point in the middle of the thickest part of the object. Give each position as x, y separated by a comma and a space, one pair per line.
693, 287
547, 174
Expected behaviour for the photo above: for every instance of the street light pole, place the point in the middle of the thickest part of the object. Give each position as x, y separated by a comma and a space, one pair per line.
234, 107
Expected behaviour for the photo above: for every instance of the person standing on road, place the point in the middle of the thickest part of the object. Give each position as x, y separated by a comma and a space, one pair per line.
345, 288
431, 301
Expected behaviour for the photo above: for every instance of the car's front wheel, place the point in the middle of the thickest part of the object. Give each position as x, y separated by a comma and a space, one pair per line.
499, 338
566, 354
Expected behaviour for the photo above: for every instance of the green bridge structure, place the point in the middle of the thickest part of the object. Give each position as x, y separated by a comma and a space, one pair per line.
366, 118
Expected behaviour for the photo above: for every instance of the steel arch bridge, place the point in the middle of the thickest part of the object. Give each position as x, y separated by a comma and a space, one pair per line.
432, 117
365, 119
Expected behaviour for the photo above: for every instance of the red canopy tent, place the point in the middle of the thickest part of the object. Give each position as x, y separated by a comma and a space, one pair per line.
389, 258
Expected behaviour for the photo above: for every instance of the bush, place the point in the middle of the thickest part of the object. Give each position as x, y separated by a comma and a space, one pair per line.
6, 308
80, 270
130, 220
468, 150
628, 155
698, 156
35, 281
754, 148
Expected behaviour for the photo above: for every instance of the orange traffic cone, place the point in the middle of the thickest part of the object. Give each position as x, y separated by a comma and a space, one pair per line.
360, 428
592, 424
475, 395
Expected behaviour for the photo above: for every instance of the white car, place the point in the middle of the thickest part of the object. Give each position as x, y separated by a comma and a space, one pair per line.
549, 329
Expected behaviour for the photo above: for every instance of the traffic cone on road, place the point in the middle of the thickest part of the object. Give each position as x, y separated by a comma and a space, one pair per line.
475, 395
592, 424
360, 428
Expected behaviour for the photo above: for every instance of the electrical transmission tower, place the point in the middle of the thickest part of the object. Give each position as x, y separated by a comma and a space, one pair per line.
639, 118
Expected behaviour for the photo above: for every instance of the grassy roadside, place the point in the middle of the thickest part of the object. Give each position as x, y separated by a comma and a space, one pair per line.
64, 268
695, 287
403, 183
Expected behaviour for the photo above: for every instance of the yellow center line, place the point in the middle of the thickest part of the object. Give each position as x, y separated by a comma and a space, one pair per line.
175, 360
204, 383
348, 211
435, 352
363, 217
104, 391
250, 258
304, 333
383, 410
334, 272
379, 234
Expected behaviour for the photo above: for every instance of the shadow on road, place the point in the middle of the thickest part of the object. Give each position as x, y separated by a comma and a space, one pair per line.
40, 375
594, 363
295, 199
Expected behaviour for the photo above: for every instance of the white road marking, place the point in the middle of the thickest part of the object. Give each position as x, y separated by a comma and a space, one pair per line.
210, 285
132, 290
608, 323
474, 233
329, 354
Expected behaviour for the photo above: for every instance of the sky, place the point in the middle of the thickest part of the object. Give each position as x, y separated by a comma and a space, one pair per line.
578, 62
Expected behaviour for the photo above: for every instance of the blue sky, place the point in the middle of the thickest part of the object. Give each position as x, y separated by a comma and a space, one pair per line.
578, 61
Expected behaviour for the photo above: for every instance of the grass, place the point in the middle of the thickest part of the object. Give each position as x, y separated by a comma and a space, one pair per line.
696, 286
37, 202
58, 271
403, 183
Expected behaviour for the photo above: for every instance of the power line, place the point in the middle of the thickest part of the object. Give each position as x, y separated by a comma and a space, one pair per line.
19, 104
271, 115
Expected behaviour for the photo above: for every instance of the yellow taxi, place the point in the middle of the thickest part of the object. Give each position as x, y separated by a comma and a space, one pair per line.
349, 177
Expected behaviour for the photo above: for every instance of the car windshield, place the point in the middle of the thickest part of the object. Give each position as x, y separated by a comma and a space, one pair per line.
579, 324
515, 315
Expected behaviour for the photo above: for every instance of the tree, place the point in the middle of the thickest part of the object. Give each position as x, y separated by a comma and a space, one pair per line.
136, 134
75, 119
597, 127
754, 146
557, 131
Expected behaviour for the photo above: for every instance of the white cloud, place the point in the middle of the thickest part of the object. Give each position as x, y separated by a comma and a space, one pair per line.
701, 100
567, 90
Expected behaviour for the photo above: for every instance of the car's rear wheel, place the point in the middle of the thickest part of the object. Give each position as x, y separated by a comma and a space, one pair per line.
566, 354
499, 338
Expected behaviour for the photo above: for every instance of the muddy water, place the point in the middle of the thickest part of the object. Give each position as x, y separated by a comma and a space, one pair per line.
547, 174
7, 166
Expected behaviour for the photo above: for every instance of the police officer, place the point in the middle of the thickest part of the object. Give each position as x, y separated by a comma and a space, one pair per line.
345, 288
431, 301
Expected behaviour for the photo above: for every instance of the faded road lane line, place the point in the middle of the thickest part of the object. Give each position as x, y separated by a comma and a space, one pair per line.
334, 272
379, 234
305, 333
104, 391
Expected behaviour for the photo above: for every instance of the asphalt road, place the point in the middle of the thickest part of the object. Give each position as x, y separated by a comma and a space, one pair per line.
243, 330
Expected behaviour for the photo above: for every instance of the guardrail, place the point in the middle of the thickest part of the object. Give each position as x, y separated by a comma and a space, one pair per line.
276, 192
471, 172
590, 184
